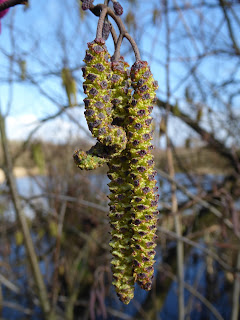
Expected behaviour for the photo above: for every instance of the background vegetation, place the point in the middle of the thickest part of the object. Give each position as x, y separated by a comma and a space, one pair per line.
54, 253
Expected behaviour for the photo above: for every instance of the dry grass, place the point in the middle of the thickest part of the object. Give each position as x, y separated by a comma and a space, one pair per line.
198, 160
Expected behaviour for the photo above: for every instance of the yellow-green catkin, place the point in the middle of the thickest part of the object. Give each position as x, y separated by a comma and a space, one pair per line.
122, 124
144, 200
120, 214
96, 157
70, 86
97, 86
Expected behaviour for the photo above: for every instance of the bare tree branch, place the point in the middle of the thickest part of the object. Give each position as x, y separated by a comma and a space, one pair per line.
42, 292
11, 3
206, 136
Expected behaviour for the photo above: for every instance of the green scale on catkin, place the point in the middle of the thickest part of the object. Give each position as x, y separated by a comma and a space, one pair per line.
120, 215
98, 113
142, 174
96, 157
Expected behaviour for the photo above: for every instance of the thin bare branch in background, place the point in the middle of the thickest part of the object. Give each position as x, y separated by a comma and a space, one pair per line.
236, 292
11, 3
174, 201
33, 260
194, 53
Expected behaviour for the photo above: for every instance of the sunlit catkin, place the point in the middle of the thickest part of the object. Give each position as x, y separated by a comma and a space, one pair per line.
97, 86
144, 199
120, 215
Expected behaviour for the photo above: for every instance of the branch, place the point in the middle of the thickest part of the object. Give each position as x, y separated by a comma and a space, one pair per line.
32, 256
11, 286
11, 3
202, 202
236, 292
55, 283
70, 199
114, 35
17, 307
204, 301
198, 295
116, 54
201, 247
229, 26
101, 10
206, 136
174, 200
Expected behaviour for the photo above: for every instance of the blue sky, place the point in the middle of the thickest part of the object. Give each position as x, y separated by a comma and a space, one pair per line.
45, 36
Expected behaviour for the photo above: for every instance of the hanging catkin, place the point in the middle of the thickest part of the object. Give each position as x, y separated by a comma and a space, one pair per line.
98, 113
142, 174
122, 124
119, 215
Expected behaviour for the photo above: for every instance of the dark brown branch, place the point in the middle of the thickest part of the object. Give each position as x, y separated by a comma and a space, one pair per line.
29, 246
123, 30
206, 136
96, 10
229, 26
11, 3
134, 46
114, 35
101, 10
199, 200
116, 55
101, 22
205, 250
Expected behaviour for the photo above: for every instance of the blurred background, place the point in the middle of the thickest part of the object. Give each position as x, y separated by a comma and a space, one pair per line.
54, 232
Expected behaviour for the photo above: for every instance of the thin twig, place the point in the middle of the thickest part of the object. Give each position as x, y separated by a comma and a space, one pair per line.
230, 27
11, 3
116, 54
112, 311
197, 281
11, 66
101, 22
206, 251
236, 292
206, 136
1, 300
55, 283
204, 301
17, 307
204, 203
134, 46
106, 10
114, 34
70, 199
178, 230
33, 260
176, 215
198, 295
8, 284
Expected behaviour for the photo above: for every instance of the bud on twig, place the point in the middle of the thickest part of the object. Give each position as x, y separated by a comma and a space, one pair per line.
117, 8
86, 4
106, 29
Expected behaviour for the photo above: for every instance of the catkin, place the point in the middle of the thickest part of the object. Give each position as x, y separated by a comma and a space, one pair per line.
97, 86
122, 124
144, 201
120, 215
96, 157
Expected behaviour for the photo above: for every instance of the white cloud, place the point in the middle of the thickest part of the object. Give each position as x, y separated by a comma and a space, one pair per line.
19, 127
56, 130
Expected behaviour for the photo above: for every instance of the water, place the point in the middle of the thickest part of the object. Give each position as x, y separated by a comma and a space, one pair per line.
195, 267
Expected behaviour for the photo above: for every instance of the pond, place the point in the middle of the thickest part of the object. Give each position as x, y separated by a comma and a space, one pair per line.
195, 268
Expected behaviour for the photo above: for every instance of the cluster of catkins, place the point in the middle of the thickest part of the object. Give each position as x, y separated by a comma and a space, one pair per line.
120, 120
